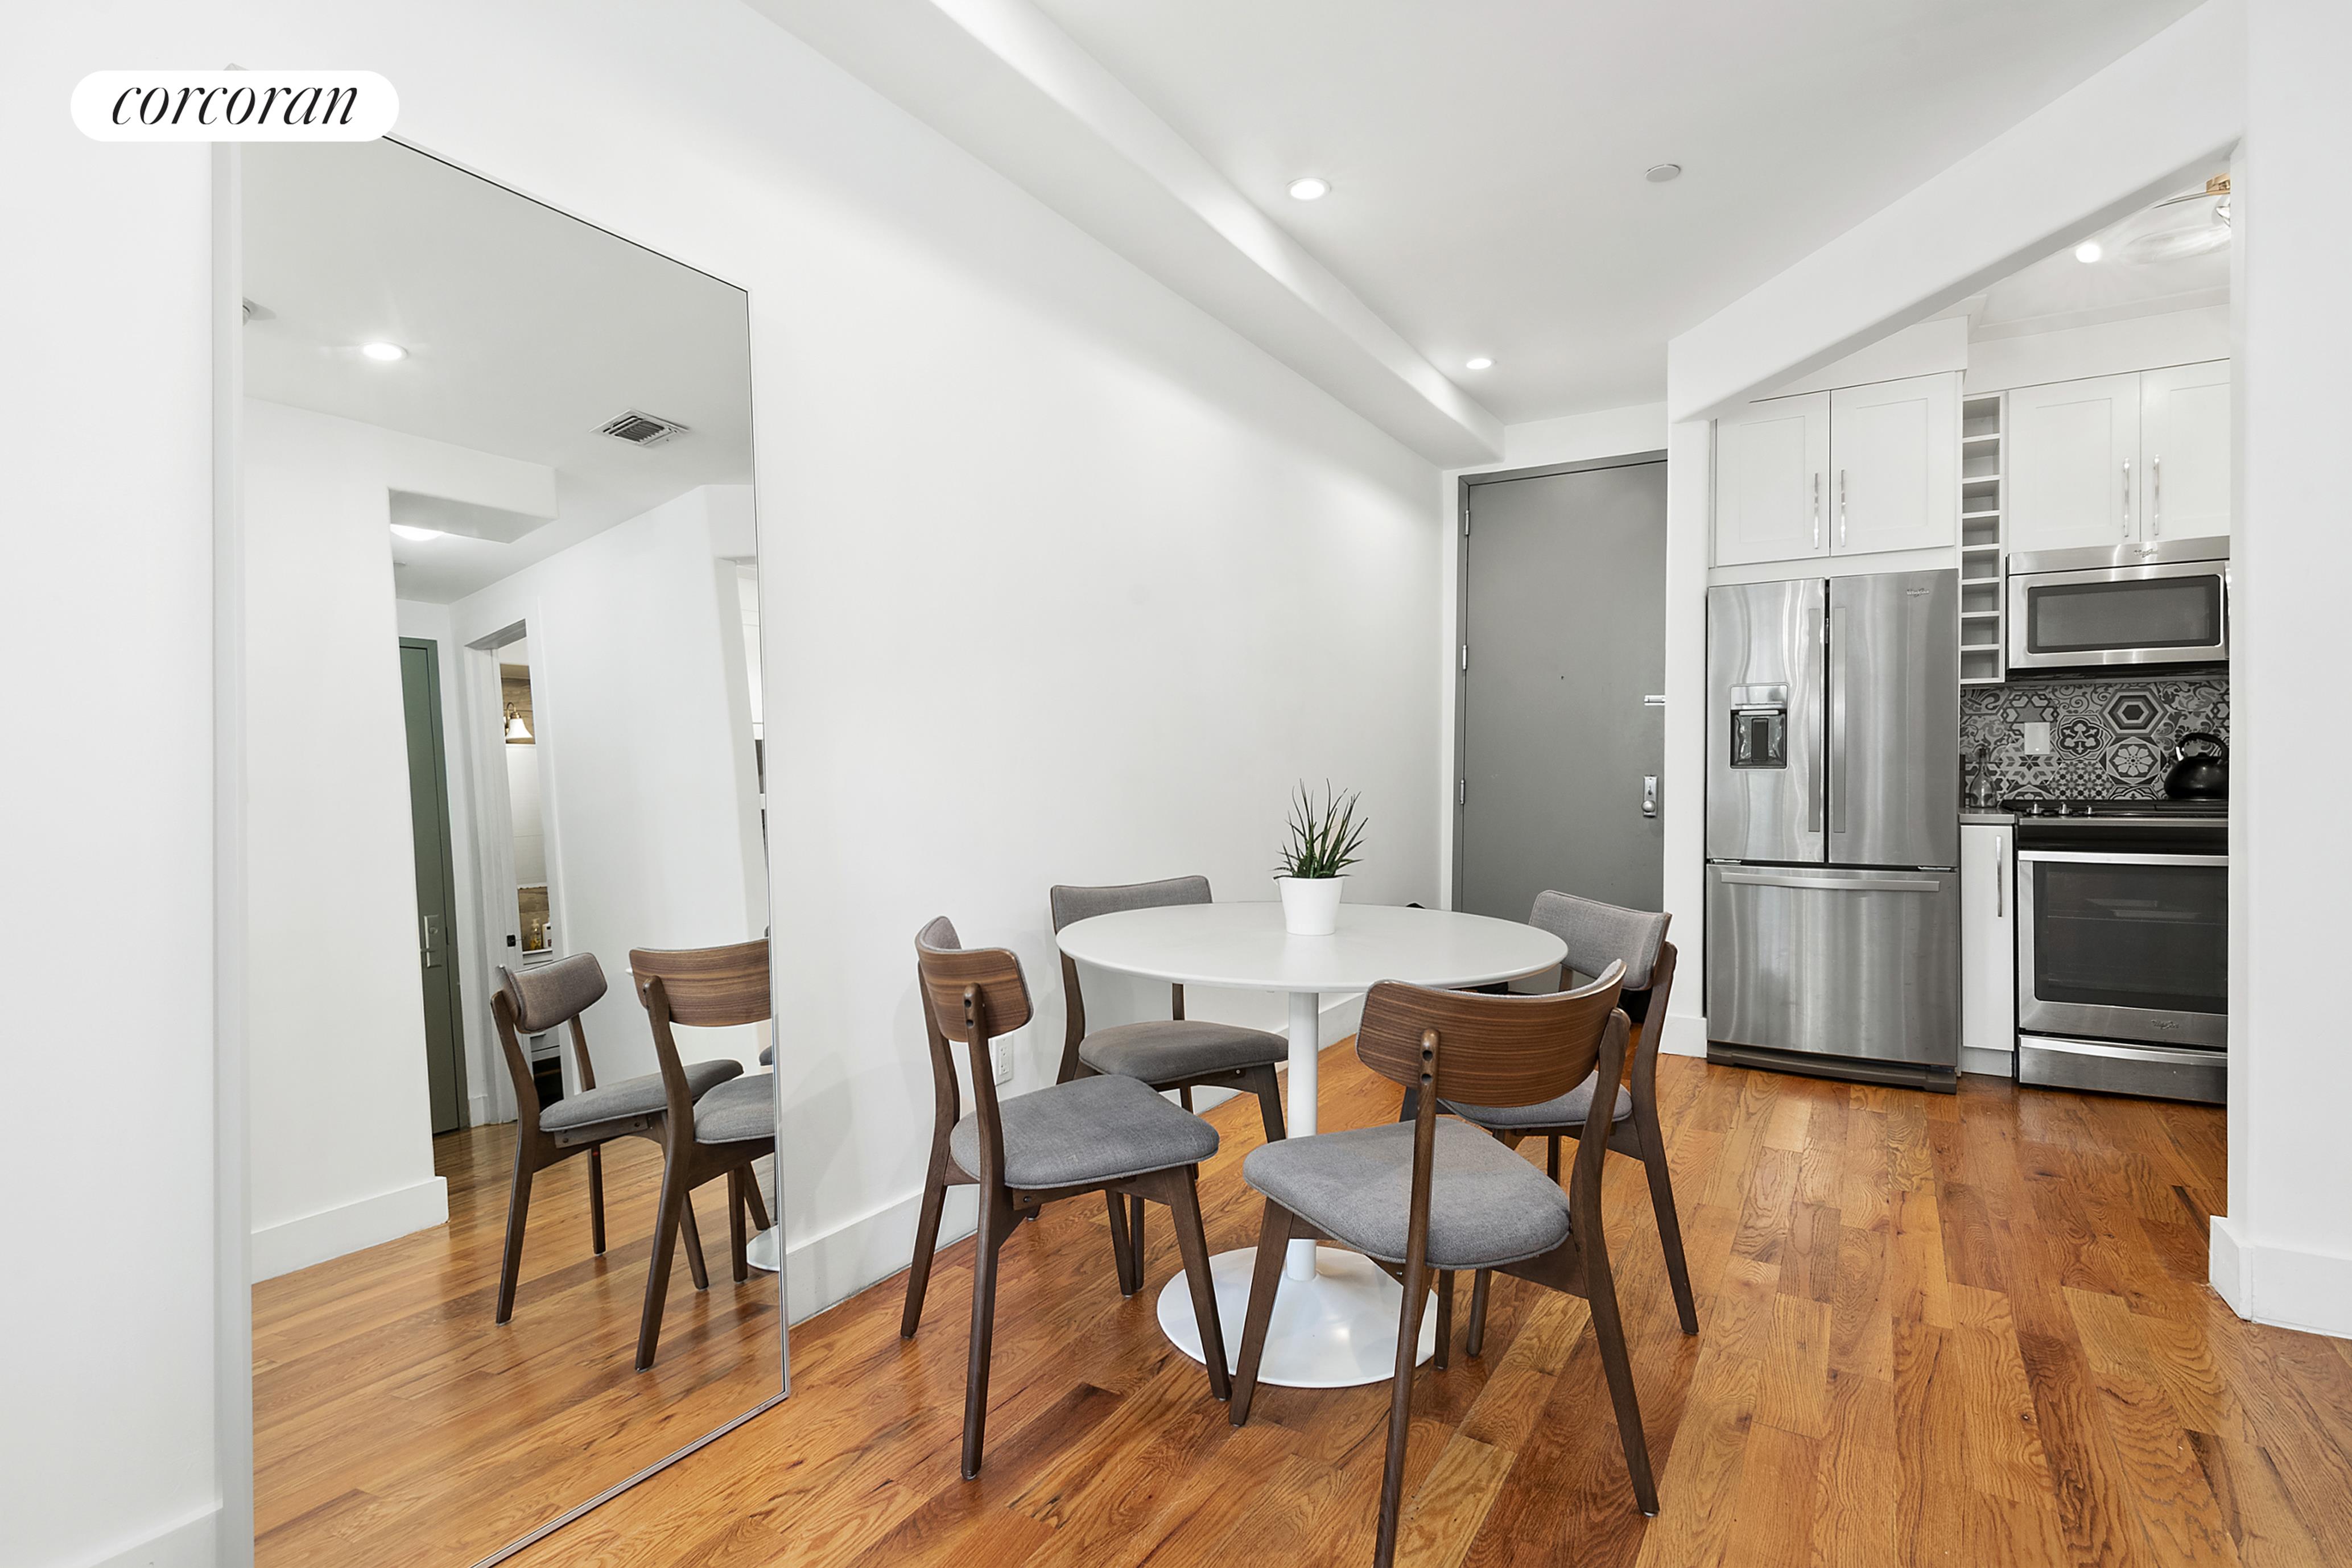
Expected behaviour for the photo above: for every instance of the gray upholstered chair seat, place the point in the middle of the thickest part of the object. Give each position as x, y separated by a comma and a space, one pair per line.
767, 1056
744, 1108
1487, 1206
1088, 1129
632, 1097
1570, 1109
1169, 1049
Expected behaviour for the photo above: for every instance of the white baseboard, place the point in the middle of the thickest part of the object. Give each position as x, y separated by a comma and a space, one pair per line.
1685, 1036
188, 1543
2285, 1287
1988, 1063
294, 1244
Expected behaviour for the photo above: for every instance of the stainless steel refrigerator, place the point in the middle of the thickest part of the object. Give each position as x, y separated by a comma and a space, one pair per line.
1832, 827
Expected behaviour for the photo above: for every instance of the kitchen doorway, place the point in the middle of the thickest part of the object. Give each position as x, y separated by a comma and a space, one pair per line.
1560, 675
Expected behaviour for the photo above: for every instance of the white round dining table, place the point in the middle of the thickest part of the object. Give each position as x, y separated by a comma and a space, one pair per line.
1336, 1313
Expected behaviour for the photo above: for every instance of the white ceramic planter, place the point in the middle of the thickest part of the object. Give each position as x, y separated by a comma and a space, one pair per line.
1310, 905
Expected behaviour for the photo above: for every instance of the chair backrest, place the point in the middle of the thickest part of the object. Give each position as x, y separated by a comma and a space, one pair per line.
1498, 1050
1071, 904
707, 987
532, 1001
971, 996
1598, 933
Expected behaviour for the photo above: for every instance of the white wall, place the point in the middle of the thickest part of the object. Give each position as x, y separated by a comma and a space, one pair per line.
339, 1129
2107, 348
2283, 1254
646, 823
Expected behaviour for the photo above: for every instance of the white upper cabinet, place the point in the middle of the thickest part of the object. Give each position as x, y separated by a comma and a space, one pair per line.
1896, 448
2120, 459
1771, 467
2072, 449
2184, 442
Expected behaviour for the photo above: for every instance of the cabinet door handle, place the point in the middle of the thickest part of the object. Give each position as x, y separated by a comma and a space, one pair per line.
1817, 512
1841, 507
2155, 503
2000, 875
2126, 497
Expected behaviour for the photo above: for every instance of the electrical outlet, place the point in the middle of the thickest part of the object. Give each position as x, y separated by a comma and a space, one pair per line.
2035, 739
1000, 1056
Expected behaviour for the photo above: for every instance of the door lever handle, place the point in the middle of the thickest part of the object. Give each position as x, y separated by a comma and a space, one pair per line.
1649, 795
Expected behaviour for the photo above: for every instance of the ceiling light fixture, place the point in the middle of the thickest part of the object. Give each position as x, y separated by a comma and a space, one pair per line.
1659, 173
1479, 362
405, 531
2089, 251
384, 353
1310, 188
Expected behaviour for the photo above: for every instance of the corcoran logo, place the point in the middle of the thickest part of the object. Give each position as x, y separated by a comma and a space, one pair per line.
235, 106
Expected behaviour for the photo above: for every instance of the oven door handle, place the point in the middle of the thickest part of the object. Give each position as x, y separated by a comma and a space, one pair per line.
2108, 858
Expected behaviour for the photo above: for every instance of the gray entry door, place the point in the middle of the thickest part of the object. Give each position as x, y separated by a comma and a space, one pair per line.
1563, 590
437, 885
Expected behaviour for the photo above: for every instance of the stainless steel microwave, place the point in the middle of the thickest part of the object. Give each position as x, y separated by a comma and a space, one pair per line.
2164, 603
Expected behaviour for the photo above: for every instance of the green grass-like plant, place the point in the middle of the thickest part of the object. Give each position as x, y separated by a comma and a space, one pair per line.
1323, 839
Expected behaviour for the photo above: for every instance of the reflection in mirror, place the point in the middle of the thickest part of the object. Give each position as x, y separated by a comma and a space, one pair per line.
501, 647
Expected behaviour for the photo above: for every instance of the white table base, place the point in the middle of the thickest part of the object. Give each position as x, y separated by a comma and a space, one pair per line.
765, 1250
1336, 1329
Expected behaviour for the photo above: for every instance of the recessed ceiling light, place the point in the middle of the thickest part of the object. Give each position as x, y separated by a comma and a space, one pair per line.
405, 531
1659, 173
385, 352
1310, 188
2087, 252
1479, 362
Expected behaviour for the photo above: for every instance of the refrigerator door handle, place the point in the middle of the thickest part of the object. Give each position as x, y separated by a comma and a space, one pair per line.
1837, 730
1834, 884
1815, 791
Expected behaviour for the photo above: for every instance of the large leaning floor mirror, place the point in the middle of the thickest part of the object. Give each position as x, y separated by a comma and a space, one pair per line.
512, 1113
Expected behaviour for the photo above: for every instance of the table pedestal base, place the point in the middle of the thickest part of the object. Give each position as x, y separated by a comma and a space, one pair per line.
765, 1250
1336, 1330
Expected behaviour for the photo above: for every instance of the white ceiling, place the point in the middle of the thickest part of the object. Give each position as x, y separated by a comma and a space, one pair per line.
526, 330
1486, 156
2059, 291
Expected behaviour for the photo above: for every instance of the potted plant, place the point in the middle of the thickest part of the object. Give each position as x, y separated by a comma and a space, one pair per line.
1323, 844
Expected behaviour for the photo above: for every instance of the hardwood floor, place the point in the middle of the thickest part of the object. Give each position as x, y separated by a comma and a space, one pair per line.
1934, 1329
394, 1423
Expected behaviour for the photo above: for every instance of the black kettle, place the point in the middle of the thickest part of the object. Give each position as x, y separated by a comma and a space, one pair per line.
2203, 774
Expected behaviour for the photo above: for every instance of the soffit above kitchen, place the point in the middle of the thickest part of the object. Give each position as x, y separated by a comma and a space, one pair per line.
1487, 159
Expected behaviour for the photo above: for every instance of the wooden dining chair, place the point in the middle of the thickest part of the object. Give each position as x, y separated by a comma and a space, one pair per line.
1598, 935
1433, 1196
1179, 1053
1105, 1134
548, 996
720, 1132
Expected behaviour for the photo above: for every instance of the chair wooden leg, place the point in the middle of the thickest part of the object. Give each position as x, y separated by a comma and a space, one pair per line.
1134, 1244
1273, 1247
1444, 1316
694, 1259
996, 1219
596, 1200
1477, 1340
1268, 1088
735, 1239
1185, 1095
1193, 1242
1121, 1255
1416, 1293
758, 1206
1670, 1227
518, 1210
676, 1212
1551, 1158
1609, 1332
927, 1242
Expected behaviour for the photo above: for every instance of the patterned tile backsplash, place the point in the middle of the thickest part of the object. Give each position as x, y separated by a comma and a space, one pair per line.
2111, 737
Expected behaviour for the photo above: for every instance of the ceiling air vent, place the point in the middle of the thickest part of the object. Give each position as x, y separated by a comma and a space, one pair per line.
642, 429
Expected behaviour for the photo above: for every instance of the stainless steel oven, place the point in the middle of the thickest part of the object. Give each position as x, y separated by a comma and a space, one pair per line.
2135, 603
2123, 959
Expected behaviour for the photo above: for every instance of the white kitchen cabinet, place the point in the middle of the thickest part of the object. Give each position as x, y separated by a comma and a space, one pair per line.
1987, 949
2184, 442
2072, 447
1771, 463
1860, 470
1897, 452
2120, 459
